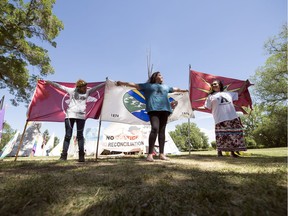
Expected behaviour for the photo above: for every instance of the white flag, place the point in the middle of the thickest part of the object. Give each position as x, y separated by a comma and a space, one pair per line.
125, 105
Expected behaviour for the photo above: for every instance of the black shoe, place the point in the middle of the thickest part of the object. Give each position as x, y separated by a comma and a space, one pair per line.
63, 157
81, 158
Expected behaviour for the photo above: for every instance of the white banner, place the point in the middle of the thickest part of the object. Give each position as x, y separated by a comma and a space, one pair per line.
125, 105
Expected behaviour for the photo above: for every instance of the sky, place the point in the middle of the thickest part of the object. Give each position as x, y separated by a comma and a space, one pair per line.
113, 39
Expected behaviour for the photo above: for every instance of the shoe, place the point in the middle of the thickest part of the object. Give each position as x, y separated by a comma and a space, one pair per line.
150, 158
234, 155
81, 158
63, 157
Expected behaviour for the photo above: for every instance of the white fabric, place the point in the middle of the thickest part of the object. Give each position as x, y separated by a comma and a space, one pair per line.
221, 104
124, 106
120, 137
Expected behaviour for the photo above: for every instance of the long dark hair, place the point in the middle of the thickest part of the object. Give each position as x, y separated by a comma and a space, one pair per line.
152, 79
220, 85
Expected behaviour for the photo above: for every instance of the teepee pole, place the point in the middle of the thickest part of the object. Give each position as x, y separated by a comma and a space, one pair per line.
21, 141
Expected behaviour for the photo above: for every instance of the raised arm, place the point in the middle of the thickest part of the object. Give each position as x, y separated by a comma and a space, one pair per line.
56, 85
179, 90
130, 84
95, 88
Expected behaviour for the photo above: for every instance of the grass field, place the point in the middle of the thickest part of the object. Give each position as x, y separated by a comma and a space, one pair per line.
190, 184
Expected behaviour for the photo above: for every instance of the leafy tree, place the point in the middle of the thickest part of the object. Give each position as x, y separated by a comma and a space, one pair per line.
266, 126
268, 123
21, 25
7, 135
272, 132
46, 135
213, 144
180, 136
253, 120
271, 79
56, 141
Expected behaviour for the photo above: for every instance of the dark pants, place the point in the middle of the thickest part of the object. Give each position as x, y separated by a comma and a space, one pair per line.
158, 120
69, 124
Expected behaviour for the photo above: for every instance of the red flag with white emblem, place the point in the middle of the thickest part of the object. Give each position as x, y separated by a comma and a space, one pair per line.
200, 88
50, 104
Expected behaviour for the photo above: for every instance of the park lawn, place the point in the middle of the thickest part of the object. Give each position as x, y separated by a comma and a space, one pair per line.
196, 183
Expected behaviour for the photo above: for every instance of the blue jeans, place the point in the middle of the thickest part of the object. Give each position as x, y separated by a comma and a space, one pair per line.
69, 124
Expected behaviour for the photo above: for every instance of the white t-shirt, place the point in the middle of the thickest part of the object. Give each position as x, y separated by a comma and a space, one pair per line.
221, 104
77, 102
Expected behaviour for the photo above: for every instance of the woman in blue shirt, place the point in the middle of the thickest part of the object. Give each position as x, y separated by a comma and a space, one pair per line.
158, 108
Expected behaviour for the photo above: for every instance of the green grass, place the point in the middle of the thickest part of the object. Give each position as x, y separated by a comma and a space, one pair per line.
190, 184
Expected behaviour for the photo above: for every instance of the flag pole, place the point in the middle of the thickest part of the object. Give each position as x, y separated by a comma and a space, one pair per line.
97, 145
149, 66
21, 140
189, 116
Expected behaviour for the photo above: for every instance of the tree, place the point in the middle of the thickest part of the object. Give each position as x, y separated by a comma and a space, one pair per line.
272, 132
198, 139
271, 79
56, 141
21, 25
269, 127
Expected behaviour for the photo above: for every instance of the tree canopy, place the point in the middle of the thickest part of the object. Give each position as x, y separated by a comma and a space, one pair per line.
267, 125
198, 140
21, 26
271, 79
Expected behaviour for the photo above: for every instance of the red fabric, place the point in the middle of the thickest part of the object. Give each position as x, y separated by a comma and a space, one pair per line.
200, 87
49, 103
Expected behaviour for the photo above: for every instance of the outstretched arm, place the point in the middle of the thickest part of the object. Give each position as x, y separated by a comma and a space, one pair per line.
130, 84
56, 85
95, 88
179, 90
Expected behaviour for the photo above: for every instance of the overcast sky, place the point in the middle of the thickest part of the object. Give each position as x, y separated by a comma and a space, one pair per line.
112, 39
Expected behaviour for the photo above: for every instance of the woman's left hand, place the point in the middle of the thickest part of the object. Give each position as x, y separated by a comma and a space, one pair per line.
174, 104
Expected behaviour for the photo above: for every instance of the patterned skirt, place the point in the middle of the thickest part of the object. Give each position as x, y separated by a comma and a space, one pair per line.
229, 136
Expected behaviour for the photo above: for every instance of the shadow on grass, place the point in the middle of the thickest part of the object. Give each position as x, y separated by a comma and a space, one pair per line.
132, 186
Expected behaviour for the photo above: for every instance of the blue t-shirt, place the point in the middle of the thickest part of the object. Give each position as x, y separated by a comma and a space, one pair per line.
156, 96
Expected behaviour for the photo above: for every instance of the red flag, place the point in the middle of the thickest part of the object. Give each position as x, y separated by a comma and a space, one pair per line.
200, 88
49, 103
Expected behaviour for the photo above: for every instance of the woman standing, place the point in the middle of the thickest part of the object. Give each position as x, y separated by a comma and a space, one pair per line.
158, 108
76, 113
228, 127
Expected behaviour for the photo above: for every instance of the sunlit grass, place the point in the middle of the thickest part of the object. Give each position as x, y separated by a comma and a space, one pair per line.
190, 184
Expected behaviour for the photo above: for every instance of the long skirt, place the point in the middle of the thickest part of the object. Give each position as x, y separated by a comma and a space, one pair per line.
229, 136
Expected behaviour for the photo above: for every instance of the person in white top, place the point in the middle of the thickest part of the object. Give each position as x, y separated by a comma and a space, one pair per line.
228, 126
75, 113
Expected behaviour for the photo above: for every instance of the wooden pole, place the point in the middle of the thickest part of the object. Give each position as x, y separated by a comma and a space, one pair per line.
96, 157
21, 141
189, 142
189, 136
